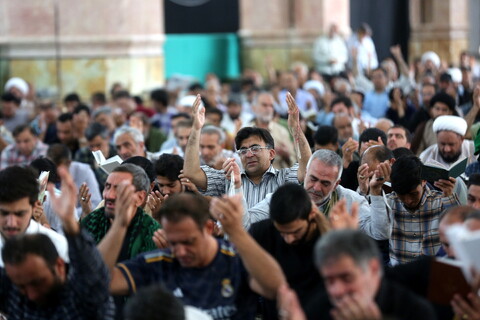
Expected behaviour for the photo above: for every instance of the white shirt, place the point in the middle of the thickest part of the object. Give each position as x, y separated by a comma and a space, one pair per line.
58, 240
327, 49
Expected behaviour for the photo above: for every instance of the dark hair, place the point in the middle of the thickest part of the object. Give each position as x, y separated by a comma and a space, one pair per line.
121, 94
138, 99
99, 97
402, 152
290, 202
325, 135
408, 134
22, 127
65, 117
184, 115
380, 69
71, 97
10, 97
186, 205
96, 129
473, 215
406, 174
372, 134
160, 96
195, 86
351, 243
214, 111
154, 302
248, 132
473, 179
169, 166
390, 93
143, 163
445, 77
80, 108
17, 183
44, 164
443, 98
16, 249
342, 99
59, 154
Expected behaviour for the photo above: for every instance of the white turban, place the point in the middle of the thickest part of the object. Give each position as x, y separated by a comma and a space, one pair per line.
188, 101
456, 74
18, 83
315, 85
430, 55
450, 123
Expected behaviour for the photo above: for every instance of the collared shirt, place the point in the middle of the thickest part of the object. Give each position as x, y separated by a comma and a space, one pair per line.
58, 240
412, 233
217, 183
85, 294
11, 156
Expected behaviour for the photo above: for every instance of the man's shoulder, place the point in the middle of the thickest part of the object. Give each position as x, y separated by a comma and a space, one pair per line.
93, 216
261, 229
35, 227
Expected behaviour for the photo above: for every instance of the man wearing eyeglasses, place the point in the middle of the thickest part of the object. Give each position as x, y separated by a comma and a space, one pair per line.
256, 148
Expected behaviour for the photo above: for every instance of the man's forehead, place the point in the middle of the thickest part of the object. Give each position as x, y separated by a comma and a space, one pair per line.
117, 177
321, 169
396, 131
251, 141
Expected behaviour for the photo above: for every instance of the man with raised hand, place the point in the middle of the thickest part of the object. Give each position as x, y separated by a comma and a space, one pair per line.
36, 283
256, 148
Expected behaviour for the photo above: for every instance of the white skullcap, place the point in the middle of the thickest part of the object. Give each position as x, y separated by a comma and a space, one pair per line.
430, 55
456, 74
18, 83
450, 123
187, 101
315, 85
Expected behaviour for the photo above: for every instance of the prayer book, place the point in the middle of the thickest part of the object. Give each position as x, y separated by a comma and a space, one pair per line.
109, 164
42, 183
446, 279
433, 170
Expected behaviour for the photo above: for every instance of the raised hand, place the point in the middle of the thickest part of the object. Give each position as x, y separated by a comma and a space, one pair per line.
288, 305
446, 186
198, 113
293, 116
230, 167
125, 206
380, 175
340, 217
84, 197
348, 149
395, 50
154, 201
229, 211
187, 183
64, 205
363, 176
160, 239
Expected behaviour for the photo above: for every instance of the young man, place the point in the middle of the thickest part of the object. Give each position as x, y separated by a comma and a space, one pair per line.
18, 196
202, 271
36, 283
256, 148
412, 223
398, 137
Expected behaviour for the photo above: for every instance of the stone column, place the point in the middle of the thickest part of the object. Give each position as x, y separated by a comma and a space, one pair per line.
285, 30
83, 46
440, 26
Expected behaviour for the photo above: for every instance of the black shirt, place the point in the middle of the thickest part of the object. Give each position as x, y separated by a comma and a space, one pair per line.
296, 262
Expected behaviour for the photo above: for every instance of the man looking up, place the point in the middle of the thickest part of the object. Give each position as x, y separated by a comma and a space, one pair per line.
256, 148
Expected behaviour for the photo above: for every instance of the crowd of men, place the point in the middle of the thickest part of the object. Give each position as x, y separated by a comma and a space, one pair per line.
304, 196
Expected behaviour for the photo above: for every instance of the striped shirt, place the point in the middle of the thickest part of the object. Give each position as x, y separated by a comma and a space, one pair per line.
11, 155
414, 233
217, 183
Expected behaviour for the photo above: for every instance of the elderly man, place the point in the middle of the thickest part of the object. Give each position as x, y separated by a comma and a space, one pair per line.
130, 142
256, 148
450, 146
26, 148
212, 148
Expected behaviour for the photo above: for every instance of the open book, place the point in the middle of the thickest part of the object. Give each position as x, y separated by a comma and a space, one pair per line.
433, 170
109, 164
42, 182
446, 279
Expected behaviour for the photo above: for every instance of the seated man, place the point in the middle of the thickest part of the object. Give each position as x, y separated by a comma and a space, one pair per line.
36, 282
129, 142
98, 138
326, 137
289, 235
398, 137
138, 237
66, 132
168, 167
212, 148
181, 132
412, 222
202, 271
18, 195
350, 266
256, 148
451, 145
26, 148
473, 197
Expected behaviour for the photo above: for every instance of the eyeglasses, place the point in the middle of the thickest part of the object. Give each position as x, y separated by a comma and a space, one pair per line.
253, 150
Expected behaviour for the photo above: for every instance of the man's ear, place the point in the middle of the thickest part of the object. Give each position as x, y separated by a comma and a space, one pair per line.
141, 198
60, 269
374, 265
209, 226
272, 154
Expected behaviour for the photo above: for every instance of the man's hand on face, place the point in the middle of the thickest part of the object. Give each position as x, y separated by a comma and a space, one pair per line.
125, 207
356, 308
380, 176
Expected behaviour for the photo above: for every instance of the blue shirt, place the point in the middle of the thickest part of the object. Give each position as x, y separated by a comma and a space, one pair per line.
376, 104
220, 289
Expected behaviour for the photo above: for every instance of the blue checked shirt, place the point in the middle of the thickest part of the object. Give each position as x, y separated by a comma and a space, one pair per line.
412, 233
85, 294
